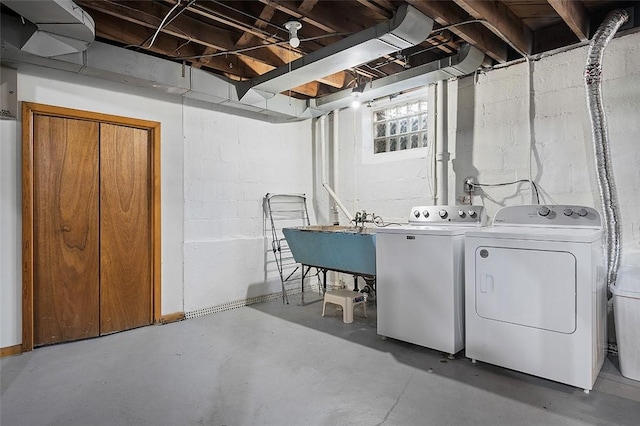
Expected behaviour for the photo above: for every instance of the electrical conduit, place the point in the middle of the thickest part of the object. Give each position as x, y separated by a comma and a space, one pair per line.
442, 153
334, 144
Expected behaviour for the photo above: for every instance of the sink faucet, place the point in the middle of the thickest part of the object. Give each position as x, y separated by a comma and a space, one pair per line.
363, 217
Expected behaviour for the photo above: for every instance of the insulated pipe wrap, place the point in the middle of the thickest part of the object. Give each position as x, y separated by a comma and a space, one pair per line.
606, 184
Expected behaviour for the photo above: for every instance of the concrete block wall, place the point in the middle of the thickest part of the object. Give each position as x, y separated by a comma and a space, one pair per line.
231, 163
52, 87
492, 124
386, 184
492, 135
216, 168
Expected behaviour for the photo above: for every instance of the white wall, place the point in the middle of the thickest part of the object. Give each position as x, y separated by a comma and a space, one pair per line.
489, 139
232, 163
386, 184
215, 170
73, 91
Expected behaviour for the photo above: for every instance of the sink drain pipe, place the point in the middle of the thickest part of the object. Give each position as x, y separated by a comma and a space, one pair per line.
323, 156
608, 195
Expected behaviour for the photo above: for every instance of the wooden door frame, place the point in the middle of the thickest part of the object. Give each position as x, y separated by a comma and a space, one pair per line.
29, 109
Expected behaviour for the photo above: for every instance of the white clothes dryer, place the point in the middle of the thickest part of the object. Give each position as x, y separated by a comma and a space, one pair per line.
535, 293
420, 276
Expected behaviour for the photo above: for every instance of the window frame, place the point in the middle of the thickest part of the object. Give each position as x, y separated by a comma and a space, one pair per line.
367, 134
401, 126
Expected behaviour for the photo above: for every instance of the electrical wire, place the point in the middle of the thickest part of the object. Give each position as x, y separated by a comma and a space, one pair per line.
246, 49
532, 183
162, 23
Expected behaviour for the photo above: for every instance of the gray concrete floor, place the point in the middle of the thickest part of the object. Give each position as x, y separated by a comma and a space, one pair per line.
270, 364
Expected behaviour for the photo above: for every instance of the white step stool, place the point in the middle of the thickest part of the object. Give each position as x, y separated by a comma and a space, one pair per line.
347, 299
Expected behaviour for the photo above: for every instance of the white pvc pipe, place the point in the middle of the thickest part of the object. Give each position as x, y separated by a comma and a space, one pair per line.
323, 156
442, 153
336, 156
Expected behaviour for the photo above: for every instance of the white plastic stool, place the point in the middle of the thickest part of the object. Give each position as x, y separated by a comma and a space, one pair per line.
347, 299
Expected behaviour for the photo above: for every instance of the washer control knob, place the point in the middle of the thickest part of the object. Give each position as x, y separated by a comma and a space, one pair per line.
443, 213
567, 212
425, 213
544, 211
461, 213
416, 213
582, 212
472, 213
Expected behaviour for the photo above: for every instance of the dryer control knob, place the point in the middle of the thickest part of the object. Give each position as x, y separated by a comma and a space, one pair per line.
472, 213
443, 213
544, 211
567, 212
582, 212
461, 213
416, 213
425, 213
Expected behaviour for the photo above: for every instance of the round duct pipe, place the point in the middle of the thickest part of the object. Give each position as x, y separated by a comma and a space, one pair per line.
606, 184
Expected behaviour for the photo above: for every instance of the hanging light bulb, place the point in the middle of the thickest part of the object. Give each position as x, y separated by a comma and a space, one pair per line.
293, 27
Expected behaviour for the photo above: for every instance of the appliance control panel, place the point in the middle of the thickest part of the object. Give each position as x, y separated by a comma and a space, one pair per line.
431, 215
548, 215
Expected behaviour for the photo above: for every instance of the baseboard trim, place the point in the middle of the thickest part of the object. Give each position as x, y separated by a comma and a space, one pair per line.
246, 302
11, 350
174, 317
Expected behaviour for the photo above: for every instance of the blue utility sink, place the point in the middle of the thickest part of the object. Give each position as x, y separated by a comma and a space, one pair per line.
350, 249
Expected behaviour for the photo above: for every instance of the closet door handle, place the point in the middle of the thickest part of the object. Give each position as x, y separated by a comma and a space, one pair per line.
65, 229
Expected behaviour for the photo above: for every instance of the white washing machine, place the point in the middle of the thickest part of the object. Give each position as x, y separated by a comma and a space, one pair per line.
420, 276
535, 293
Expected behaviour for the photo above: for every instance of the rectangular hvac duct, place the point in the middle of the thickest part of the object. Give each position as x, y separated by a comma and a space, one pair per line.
466, 61
407, 28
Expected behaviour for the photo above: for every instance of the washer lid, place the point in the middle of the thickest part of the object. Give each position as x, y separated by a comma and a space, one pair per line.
424, 230
581, 235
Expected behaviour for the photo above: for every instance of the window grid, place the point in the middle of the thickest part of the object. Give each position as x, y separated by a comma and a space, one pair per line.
400, 127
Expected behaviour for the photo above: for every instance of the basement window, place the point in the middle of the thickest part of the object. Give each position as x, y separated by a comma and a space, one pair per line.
400, 127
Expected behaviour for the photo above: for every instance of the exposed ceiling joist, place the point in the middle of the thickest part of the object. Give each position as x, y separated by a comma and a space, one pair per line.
244, 40
575, 15
307, 5
475, 34
503, 19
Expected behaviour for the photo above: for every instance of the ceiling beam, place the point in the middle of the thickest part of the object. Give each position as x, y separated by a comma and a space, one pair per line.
385, 10
307, 5
150, 14
280, 54
445, 13
574, 15
110, 27
265, 16
503, 19
329, 18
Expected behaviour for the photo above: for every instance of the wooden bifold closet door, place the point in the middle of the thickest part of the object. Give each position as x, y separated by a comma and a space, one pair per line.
125, 249
92, 229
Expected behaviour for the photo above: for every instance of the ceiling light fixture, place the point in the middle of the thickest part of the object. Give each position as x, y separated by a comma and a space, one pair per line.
357, 91
355, 94
293, 27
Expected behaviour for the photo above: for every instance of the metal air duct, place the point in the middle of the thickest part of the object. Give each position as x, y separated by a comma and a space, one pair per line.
407, 28
466, 61
600, 134
56, 27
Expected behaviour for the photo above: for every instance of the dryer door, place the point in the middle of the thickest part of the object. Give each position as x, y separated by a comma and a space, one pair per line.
527, 287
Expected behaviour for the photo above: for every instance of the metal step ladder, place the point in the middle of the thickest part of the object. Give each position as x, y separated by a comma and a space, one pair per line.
285, 211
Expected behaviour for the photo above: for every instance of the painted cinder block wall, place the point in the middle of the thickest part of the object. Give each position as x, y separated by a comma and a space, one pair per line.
215, 170
489, 139
231, 164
